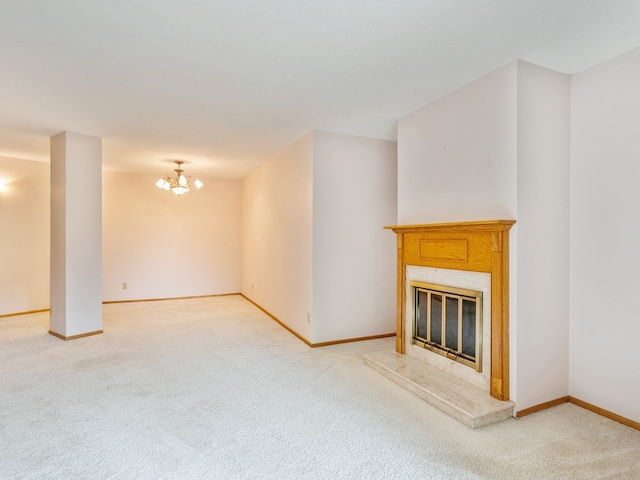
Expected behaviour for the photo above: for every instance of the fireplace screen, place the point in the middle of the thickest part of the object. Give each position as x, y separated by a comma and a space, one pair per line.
448, 321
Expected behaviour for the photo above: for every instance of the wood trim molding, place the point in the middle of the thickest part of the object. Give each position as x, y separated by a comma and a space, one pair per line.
582, 404
471, 246
108, 302
315, 345
542, 406
351, 340
278, 321
605, 413
401, 297
75, 337
5, 315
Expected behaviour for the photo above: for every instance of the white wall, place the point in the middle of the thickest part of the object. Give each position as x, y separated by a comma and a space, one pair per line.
140, 241
542, 330
277, 213
354, 267
162, 245
499, 148
605, 260
24, 236
457, 155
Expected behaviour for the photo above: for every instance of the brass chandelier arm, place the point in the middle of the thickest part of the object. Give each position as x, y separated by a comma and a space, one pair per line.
178, 184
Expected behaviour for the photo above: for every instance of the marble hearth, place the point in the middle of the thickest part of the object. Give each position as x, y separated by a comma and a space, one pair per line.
467, 403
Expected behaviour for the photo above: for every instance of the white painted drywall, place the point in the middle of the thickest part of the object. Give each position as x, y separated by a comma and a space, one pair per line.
277, 213
24, 236
76, 234
457, 155
354, 262
164, 246
605, 173
542, 330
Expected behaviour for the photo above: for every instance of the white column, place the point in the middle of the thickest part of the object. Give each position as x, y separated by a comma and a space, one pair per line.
76, 235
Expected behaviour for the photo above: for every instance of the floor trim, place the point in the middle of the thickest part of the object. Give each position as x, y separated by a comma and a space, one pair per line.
109, 302
542, 406
350, 340
605, 413
321, 344
4, 315
580, 403
74, 337
278, 321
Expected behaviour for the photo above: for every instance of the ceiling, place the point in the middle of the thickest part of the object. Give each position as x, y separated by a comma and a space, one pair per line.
226, 84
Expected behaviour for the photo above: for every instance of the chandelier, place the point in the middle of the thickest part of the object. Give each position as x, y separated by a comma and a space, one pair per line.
178, 184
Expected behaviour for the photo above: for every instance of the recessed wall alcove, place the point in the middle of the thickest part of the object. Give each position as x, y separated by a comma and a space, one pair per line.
470, 246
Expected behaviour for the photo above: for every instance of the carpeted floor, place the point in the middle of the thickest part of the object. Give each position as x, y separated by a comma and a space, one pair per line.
212, 388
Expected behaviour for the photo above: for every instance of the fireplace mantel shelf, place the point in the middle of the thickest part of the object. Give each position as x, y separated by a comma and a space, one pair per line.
476, 225
478, 246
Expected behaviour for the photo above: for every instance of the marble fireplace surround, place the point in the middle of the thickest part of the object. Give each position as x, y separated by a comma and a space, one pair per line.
468, 246
475, 281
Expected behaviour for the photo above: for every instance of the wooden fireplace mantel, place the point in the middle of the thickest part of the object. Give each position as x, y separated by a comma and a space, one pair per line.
472, 246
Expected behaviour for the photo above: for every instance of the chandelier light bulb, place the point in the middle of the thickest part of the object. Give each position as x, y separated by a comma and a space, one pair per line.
178, 184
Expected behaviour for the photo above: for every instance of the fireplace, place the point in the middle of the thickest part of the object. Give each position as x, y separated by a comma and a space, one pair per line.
467, 263
475, 283
448, 321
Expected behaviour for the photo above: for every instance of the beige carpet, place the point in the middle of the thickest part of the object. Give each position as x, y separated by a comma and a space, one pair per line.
213, 389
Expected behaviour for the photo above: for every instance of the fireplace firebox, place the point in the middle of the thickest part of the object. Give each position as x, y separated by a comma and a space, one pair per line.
448, 321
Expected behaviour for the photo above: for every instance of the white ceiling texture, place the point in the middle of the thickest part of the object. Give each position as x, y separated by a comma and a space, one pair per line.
226, 84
